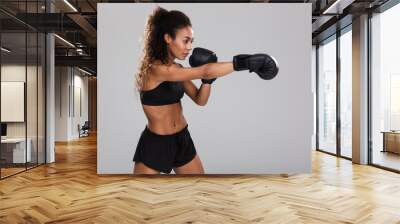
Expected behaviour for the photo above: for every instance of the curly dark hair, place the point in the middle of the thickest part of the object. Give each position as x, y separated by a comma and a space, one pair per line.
159, 23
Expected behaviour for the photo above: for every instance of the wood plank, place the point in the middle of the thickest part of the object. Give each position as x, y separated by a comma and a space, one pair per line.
70, 191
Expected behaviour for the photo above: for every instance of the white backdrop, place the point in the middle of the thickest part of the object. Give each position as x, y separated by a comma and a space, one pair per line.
249, 125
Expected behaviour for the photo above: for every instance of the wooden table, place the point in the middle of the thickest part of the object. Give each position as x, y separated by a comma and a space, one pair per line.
391, 141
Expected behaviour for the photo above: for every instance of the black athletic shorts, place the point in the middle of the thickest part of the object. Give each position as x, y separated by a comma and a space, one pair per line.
164, 152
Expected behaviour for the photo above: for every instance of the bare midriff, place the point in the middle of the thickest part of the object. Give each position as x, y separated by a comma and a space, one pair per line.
165, 119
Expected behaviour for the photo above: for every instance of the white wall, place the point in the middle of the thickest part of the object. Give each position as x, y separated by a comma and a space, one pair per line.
67, 80
80, 83
33, 126
61, 103
249, 125
17, 72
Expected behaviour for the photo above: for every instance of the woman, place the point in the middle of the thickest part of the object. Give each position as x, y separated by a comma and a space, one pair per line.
165, 143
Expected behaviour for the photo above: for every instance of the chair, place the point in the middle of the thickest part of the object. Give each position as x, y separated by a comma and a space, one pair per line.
84, 130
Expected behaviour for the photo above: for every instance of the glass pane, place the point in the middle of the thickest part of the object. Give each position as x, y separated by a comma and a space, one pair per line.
22, 88
346, 93
41, 98
13, 88
327, 96
386, 89
31, 100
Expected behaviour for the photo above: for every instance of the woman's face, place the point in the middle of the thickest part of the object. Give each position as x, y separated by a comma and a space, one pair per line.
181, 46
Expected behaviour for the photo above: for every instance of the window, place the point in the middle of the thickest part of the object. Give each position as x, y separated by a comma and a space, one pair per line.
385, 88
327, 96
346, 75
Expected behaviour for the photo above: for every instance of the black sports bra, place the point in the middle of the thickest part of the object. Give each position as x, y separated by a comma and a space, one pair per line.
167, 92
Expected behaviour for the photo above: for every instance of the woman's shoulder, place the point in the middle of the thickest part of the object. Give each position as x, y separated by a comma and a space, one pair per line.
157, 63
159, 68
179, 65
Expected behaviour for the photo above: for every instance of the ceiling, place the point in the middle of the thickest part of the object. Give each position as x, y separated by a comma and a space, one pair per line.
76, 22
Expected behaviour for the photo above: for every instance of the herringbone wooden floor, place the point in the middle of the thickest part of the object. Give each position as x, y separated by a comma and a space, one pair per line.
70, 191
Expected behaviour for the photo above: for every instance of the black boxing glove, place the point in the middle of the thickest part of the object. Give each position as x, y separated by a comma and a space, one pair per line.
264, 65
201, 56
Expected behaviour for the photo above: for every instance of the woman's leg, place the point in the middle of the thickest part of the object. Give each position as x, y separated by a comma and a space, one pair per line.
140, 168
193, 167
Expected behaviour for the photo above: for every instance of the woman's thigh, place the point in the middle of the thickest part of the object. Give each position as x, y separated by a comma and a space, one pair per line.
193, 167
140, 168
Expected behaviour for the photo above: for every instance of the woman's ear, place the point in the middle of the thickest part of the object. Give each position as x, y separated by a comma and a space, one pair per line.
167, 38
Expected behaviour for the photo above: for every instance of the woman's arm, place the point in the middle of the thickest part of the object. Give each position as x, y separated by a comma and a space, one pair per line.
175, 72
199, 96
219, 69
